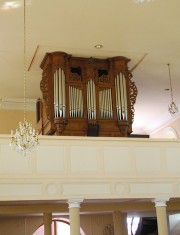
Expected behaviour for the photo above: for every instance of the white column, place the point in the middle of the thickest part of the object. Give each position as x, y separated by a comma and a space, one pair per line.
120, 223
160, 204
74, 215
47, 223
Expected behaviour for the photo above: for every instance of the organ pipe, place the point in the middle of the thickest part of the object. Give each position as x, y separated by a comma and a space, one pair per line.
105, 103
59, 94
91, 99
75, 102
121, 97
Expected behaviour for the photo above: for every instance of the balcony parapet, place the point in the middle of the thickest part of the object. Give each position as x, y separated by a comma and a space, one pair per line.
91, 168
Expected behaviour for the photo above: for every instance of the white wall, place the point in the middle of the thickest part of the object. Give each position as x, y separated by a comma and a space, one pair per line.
91, 167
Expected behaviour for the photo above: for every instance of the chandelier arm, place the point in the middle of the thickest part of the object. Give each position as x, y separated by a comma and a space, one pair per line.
24, 60
170, 82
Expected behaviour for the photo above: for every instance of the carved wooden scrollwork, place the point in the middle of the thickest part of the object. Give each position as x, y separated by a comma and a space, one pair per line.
132, 94
75, 77
46, 93
104, 79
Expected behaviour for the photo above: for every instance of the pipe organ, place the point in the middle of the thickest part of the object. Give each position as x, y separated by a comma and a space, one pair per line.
86, 96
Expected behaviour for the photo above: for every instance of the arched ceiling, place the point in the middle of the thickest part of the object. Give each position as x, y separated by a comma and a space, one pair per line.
146, 33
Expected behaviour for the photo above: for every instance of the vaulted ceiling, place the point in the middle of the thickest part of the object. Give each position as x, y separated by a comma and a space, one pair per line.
147, 33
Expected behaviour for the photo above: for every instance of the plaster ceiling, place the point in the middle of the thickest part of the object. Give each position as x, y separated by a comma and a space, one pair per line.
146, 33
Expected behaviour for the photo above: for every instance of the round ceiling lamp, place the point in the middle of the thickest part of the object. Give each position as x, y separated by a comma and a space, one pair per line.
98, 46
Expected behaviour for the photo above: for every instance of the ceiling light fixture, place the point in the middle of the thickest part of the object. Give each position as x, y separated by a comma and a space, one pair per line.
10, 5
142, 1
172, 108
25, 138
98, 46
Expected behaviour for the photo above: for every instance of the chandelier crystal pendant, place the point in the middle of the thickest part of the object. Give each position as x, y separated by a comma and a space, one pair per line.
172, 108
25, 138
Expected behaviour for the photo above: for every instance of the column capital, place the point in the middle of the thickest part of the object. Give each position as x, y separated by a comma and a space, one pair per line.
160, 201
75, 203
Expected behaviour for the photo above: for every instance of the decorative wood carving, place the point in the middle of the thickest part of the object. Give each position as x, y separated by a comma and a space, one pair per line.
87, 96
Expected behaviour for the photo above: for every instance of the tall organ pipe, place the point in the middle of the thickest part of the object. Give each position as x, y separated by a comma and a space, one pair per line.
63, 94
121, 97
91, 99
59, 94
125, 97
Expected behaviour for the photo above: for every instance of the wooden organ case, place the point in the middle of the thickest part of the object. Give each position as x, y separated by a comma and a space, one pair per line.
86, 96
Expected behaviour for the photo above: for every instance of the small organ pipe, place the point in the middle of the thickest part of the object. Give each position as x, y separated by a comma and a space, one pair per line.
105, 100
72, 100
78, 104
109, 101
88, 98
91, 99
81, 104
116, 95
54, 95
108, 104
100, 103
122, 95
111, 110
105, 103
63, 95
94, 99
60, 93
70, 104
125, 96
119, 99
75, 99
119, 96
75, 102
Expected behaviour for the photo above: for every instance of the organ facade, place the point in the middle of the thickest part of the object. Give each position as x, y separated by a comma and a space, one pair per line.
86, 96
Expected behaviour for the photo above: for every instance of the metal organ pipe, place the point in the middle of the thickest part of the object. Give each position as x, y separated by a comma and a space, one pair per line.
105, 103
125, 97
57, 101
59, 94
100, 103
110, 104
88, 101
63, 94
75, 102
118, 99
70, 103
121, 97
91, 99
55, 115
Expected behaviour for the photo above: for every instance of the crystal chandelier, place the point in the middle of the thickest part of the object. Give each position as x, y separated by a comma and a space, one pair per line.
172, 108
141, 1
25, 138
